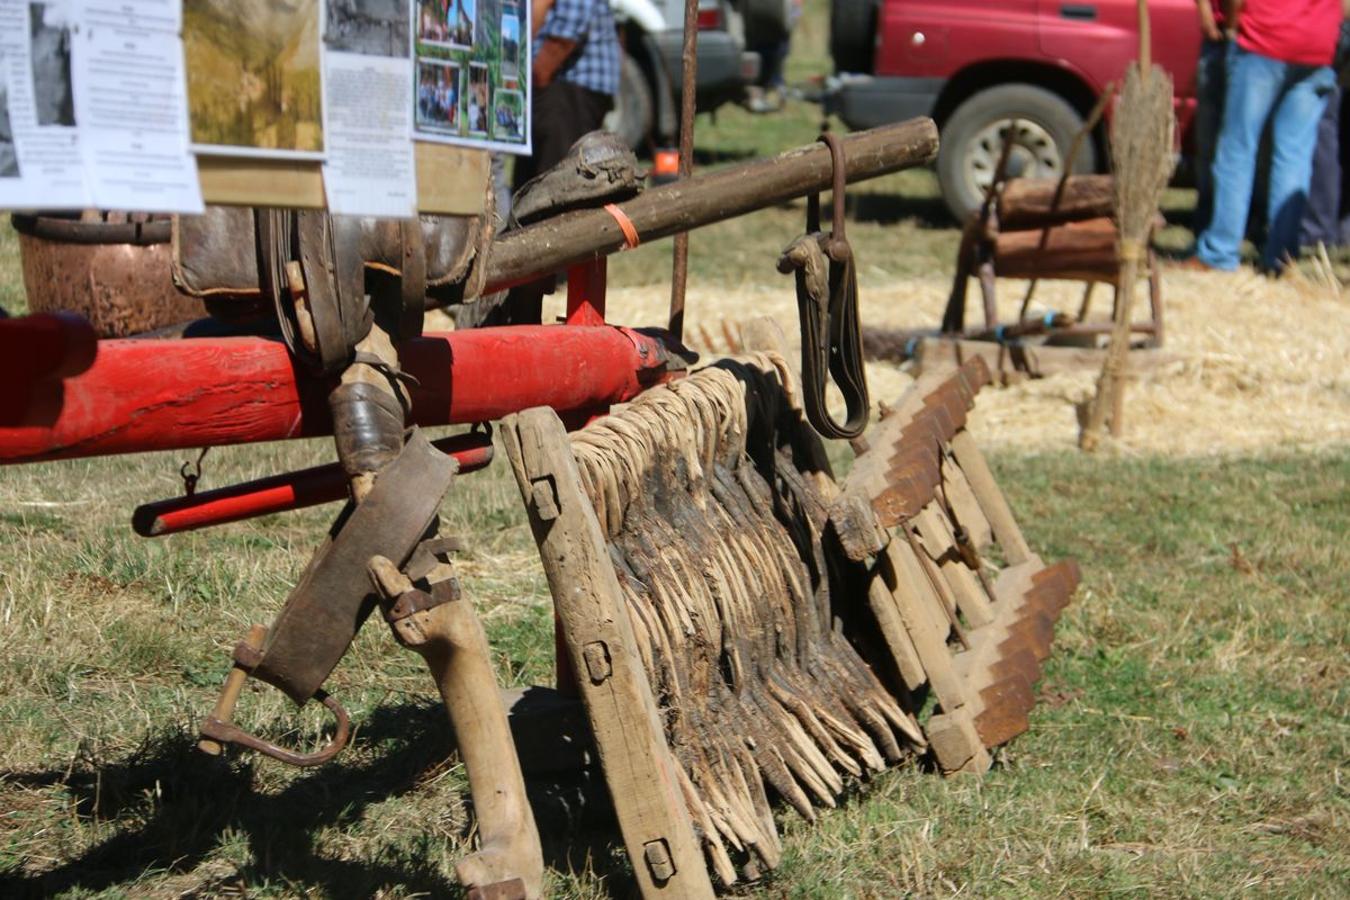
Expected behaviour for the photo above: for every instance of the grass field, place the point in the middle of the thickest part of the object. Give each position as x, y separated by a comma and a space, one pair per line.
1191, 739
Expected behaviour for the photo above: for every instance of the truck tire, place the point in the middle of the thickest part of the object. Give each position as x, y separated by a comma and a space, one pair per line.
853, 34
634, 110
972, 140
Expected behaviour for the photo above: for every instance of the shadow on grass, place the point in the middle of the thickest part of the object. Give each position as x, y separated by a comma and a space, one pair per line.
200, 801
892, 207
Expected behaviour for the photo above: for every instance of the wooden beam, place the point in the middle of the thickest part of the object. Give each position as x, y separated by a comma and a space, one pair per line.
938, 354
593, 620
565, 240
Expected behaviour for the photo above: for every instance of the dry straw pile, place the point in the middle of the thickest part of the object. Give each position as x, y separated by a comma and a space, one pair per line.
1261, 365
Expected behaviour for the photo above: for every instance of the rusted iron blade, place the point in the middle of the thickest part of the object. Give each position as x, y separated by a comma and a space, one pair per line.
334, 596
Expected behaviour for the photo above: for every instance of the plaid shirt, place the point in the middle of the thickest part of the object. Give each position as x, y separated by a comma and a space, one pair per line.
595, 63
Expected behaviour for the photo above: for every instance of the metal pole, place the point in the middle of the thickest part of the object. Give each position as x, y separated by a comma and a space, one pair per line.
679, 275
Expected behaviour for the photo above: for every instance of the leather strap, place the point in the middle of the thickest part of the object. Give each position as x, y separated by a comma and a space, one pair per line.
827, 305
328, 250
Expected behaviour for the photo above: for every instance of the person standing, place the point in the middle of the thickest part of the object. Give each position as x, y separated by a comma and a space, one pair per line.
1278, 71
576, 78
1209, 91
1325, 218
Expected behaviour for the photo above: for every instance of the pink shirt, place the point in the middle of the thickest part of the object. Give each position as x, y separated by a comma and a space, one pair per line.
1302, 32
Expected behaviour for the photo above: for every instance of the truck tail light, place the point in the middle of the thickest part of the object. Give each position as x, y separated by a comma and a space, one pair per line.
710, 19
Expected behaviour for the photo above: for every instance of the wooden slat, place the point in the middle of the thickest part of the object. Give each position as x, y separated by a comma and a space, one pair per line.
638, 767
450, 180
935, 355
991, 499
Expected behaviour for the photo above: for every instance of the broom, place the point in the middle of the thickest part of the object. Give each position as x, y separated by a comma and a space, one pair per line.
1141, 145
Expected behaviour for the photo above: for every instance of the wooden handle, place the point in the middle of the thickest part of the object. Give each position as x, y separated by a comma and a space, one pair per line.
229, 694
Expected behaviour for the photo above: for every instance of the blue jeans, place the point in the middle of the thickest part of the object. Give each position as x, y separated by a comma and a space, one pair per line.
1291, 98
1209, 90
1322, 216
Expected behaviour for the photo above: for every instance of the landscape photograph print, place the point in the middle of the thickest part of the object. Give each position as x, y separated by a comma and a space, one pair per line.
49, 32
368, 27
508, 116
253, 75
510, 63
446, 23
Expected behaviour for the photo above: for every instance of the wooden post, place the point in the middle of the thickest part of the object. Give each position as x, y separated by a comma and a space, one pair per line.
641, 774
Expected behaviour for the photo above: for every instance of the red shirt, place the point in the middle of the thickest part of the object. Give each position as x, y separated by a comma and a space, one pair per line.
1302, 32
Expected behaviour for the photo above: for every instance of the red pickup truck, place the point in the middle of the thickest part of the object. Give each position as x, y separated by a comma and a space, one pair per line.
974, 64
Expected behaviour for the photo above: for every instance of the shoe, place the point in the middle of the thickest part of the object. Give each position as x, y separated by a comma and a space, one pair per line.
1193, 264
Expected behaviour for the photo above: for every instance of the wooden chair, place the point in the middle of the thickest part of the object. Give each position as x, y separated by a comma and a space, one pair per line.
1025, 231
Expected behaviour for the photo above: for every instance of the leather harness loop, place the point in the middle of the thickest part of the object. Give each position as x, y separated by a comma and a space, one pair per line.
328, 251
827, 304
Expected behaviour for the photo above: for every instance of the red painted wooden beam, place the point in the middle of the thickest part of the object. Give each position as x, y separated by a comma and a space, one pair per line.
281, 493
143, 395
36, 352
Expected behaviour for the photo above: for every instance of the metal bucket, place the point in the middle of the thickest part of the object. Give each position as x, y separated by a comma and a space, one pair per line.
110, 267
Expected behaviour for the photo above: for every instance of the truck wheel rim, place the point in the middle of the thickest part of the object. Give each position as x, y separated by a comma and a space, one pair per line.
1034, 154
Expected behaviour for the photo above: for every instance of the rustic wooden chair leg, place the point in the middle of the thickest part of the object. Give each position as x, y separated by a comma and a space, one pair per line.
1086, 305
509, 864
1155, 298
987, 291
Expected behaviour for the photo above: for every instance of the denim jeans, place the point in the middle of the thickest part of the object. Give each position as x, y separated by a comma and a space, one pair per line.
1291, 98
1322, 221
1209, 91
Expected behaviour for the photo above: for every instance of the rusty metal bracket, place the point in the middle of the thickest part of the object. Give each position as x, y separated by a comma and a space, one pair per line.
218, 729
226, 733
417, 600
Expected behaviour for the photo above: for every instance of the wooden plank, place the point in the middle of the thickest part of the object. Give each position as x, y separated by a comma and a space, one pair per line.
1030, 202
641, 774
936, 534
992, 502
935, 355
964, 505
450, 180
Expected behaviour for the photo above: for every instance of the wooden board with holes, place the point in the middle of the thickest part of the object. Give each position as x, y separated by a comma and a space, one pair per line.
656, 826
450, 180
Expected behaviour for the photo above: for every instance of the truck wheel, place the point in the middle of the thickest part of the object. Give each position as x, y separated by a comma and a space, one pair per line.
853, 34
633, 112
972, 140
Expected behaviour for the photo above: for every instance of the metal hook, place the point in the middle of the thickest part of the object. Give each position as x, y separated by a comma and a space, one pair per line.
218, 729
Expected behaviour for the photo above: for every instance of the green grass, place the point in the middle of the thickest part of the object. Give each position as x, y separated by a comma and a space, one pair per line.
1191, 737
1190, 740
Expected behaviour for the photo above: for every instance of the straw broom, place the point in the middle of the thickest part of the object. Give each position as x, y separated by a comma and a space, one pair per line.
1141, 145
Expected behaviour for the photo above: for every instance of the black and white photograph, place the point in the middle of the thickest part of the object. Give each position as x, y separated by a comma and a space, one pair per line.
508, 116
438, 94
446, 23
49, 28
9, 157
368, 27
476, 109
510, 44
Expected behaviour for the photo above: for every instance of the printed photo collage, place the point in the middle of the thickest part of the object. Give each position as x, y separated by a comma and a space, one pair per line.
471, 70
350, 84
